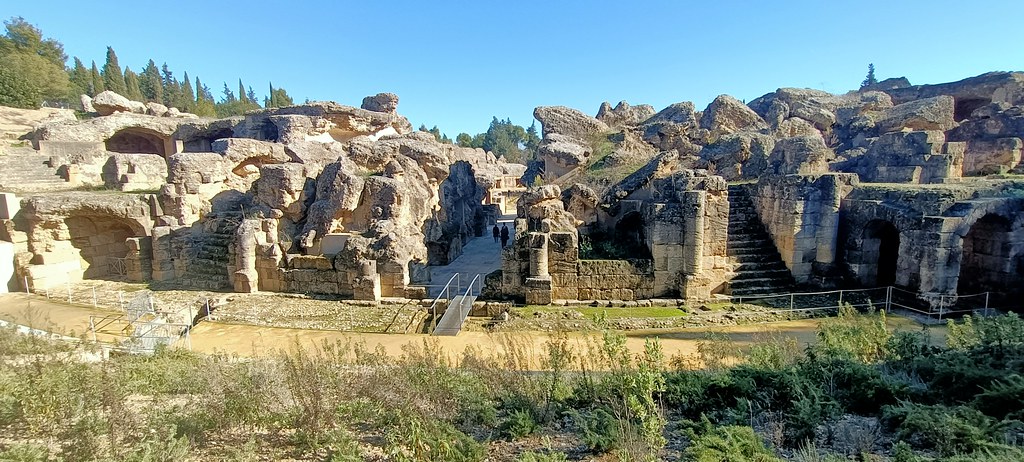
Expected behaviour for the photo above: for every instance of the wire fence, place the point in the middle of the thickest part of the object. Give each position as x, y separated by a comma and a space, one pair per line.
932, 305
141, 327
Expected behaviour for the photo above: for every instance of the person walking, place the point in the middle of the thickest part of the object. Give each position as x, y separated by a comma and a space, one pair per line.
504, 235
496, 233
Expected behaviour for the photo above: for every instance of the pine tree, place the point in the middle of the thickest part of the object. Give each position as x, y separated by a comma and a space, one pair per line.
113, 78
251, 96
229, 96
150, 83
188, 97
203, 92
870, 79
172, 89
278, 98
270, 101
131, 82
96, 85
81, 82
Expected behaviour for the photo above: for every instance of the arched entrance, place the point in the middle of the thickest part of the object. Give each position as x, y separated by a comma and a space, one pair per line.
138, 141
101, 242
987, 262
880, 251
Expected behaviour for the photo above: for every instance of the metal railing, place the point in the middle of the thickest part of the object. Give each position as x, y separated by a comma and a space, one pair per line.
446, 292
928, 304
457, 310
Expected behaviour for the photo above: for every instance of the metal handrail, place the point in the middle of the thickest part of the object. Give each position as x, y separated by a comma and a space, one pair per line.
445, 291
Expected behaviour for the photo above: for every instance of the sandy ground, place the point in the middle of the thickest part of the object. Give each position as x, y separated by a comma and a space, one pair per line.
246, 340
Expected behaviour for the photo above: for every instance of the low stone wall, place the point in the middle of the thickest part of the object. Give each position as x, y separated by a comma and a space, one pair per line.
615, 279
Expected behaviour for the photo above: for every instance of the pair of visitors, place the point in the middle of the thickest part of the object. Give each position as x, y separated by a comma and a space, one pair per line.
504, 235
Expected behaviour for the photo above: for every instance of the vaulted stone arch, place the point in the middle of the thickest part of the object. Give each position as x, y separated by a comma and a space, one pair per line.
138, 140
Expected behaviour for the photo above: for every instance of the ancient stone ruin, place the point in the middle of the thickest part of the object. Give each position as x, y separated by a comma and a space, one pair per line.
917, 187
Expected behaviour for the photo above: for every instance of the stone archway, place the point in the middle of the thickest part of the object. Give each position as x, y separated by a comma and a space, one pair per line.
139, 141
631, 235
101, 242
987, 261
880, 250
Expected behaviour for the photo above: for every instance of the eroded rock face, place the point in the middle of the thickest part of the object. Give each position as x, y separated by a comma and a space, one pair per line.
739, 156
624, 115
543, 206
803, 155
568, 121
728, 115
925, 114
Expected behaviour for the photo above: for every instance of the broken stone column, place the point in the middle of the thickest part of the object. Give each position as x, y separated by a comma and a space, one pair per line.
538, 255
366, 284
138, 261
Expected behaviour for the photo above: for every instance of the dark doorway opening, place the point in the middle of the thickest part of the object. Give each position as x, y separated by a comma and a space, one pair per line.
986, 264
136, 141
881, 250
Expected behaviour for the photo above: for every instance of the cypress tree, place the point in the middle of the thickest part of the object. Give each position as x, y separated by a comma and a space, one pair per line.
96, 85
241, 91
269, 102
113, 78
80, 78
172, 89
187, 95
251, 96
150, 84
131, 82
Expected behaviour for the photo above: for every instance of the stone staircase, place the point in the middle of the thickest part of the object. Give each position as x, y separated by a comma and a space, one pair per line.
209, 254
761, 269
24, 170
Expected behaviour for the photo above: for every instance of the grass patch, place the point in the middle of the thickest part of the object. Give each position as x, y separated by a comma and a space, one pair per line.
608, 313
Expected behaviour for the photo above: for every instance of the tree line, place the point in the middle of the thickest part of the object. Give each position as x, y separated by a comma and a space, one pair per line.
503, 138
34, 73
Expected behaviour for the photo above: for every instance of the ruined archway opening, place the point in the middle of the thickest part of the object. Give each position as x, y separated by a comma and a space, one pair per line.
205, 143
880, 253
268, 131
986, 264
136, 141
101, 243
627, 240
963, 108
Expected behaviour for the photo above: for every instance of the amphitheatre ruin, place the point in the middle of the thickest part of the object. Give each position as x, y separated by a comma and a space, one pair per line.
915, 187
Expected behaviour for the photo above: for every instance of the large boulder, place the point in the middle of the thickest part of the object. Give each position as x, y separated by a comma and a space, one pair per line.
568, 121
728, 115
284, 187
381, 102
739, 156
108, 102
925, 114
624, 115
544, 205
802, 155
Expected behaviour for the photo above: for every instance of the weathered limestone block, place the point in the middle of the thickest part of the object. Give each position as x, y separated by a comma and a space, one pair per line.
9, 206
623, 114
728, 115
568, 121
135, 172
925, 114
982, 157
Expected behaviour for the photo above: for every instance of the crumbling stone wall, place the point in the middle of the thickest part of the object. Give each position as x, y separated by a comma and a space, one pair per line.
801, 213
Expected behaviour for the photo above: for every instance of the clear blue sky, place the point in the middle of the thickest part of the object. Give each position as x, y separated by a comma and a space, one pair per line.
457, 64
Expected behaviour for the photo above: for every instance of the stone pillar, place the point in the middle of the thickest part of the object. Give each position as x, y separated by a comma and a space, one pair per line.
693, 241
538, 255
827, 233
366, 284
139, 260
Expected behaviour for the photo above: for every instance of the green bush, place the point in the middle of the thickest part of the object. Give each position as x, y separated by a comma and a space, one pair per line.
519, 423
949, 430
599, 429
25, 453
727, 444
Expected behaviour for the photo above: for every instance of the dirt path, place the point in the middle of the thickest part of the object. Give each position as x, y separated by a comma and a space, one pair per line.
250, 340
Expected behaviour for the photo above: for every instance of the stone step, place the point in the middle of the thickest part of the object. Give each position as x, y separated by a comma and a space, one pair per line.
764, 290
762, 266
780, 274
745, 251
748, 242
759, 282
757, 258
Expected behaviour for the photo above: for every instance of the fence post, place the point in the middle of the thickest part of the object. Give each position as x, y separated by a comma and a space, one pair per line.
840, 299
26, 284
942, 305
92, 327
791, 301
888, 299
986, 303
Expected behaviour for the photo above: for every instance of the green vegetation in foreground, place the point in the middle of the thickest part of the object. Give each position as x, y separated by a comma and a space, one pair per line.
862, 392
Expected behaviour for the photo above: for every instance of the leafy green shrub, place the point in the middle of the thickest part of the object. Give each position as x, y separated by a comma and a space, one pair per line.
727, 443
519, 423
949, 430
531, 456
1004, 399
162, 447
412, 438
599, 429
855, 336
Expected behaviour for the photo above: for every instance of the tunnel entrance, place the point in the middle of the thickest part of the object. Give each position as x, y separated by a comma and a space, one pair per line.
987, 264
268, 131
880, 253
101, 243
205, 143
137, 141
963, 108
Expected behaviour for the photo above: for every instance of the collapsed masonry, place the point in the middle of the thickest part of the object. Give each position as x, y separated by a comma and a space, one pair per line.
320, 198
884, 186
